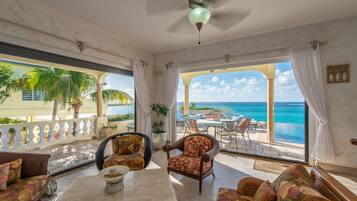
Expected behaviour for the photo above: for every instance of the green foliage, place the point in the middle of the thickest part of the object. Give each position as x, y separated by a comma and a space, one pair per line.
10, 121
121, 117
160, 111
7, 81
193, 106
70, 87
113, 95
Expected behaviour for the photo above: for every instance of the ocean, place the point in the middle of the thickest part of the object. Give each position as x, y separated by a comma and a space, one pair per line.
289, 117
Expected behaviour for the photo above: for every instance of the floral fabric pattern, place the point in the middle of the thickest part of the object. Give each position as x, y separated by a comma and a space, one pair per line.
291, 191
196, 146
296, 173
265, 192
128, 144
14, 172
226, 194
4, 175
25, 190
188, 164
133, 161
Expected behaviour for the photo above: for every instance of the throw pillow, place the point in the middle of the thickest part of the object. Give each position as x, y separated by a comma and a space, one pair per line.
265, 192
296, 173
4, 172
127, 144
292, 191
14, 171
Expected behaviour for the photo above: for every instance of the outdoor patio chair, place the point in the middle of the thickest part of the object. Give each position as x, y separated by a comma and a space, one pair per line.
194, 128
130, 149
197, 158
243, 127
228, 129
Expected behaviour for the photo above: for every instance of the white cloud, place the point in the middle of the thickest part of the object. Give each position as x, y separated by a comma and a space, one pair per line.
215, 79
222, 83
196, 85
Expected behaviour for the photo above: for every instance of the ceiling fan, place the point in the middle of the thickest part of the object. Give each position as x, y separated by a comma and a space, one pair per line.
197, 13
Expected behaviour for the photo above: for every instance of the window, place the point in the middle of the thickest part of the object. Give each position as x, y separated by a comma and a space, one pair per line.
31, 95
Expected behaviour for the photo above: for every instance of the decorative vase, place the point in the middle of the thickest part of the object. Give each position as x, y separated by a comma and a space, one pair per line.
159, 140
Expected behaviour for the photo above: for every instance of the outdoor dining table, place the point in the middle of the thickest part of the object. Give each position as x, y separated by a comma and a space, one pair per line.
212, 123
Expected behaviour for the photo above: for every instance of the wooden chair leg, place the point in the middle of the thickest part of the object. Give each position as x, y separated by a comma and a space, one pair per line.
200, 186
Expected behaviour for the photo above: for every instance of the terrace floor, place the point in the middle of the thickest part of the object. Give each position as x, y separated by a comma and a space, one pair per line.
258, 145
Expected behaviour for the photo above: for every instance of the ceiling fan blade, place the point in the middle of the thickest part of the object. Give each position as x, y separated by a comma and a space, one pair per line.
157, 7
218, 3
226, 20
182, 26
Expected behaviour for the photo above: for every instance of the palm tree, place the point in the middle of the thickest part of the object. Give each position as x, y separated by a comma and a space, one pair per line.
47, 80
72, 87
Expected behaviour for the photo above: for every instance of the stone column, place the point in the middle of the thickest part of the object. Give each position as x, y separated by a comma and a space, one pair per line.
99, 99
187, 99
270, 111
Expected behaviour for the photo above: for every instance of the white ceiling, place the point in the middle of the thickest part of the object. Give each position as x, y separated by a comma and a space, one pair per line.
129, 20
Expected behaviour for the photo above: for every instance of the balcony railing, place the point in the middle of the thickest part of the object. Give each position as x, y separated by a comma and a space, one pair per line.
35, 134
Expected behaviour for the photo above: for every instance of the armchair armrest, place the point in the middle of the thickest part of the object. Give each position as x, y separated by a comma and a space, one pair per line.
33, 164
249, 186
176, 145
208, 156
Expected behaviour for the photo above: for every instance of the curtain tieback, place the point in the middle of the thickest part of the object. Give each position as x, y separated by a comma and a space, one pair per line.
323, 122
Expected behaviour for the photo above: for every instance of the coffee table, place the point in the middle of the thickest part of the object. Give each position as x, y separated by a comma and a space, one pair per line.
143, 185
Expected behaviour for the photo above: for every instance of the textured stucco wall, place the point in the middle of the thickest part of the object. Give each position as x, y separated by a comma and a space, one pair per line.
341, 48
38, 15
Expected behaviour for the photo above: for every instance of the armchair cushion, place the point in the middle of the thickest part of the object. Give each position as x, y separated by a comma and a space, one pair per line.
196, 146
128, 144
296, 173
14, 171
188, 164
4, 172
25, 190
292, 191
133, 161
265, 192
226, 194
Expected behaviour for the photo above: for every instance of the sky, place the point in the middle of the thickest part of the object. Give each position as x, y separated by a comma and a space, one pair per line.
120, 82
249, 86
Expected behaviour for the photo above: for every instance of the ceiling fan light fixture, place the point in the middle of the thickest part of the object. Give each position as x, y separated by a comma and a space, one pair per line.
199, 15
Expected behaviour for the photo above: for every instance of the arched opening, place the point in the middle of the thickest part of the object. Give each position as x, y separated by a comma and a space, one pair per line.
259, 93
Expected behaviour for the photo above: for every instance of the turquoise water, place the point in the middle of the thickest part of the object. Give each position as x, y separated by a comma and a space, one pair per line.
120, 109
289, 117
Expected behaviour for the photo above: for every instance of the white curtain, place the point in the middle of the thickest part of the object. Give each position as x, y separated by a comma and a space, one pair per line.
143, 99
172, 77
308, 73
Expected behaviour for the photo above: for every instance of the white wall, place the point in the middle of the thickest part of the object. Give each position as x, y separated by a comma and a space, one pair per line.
341, 49
37, 15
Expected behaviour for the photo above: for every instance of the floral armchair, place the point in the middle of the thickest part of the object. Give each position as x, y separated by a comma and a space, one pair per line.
196, 160
130, 149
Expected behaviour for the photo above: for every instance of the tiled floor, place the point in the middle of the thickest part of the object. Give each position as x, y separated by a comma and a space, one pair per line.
229, 169
258, 145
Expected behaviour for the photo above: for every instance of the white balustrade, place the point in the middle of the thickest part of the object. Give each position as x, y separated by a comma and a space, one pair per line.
22, 135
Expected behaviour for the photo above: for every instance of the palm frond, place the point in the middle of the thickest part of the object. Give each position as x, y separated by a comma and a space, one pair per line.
113, 95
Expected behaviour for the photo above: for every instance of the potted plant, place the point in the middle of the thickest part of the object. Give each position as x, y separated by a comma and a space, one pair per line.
160, 112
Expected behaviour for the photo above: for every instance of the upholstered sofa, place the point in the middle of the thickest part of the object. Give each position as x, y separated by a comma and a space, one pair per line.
130, 149
34, 177
295, 183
